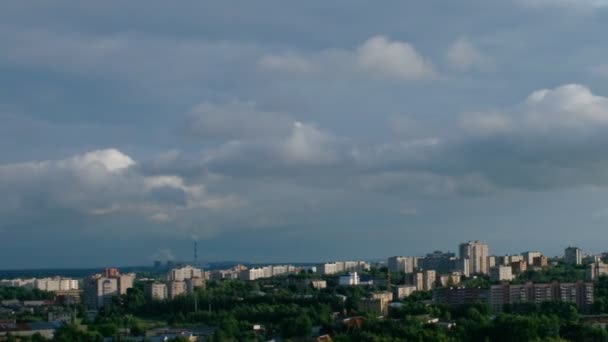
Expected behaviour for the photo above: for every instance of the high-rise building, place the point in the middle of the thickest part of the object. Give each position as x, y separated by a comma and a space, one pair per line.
540, 261
529, 257
156, 291
100, 288
573, 255
478, 254
501, 273
518, 267
401, 264
596, 270
402, 291
175, 288
183, 273
442, 262
429, 279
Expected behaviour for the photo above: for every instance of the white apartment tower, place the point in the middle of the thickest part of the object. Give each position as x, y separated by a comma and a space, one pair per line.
401, 264
477, 253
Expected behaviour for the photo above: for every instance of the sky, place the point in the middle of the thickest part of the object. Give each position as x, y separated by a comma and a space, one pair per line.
302, 132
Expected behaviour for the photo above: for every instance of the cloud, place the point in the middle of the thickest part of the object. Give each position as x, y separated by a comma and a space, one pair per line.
98, 184
393, 59
462, 55
377, 57
307, 144
235, 120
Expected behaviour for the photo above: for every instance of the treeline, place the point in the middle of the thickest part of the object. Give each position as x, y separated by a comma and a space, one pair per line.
22, 293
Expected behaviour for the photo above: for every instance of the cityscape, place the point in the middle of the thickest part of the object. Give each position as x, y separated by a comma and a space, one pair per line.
358, 291
303, 171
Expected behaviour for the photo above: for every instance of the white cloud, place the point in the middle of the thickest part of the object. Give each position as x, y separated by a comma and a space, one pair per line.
567, 107
393, 59
307, 144
570, 105
462, 55
377, 57
102, 183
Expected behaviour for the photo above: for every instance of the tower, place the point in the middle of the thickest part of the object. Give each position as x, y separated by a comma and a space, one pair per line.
195, 252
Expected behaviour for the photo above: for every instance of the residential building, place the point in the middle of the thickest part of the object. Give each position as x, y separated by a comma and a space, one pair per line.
403, 291
580, 294
378, 302
156, 291
175, 288
477, 253
100, 288
451, 279
459, 296
183, 273
507, 260
519, 266
501, 273
540, 261
318, 284
401, 264
343, 266
194, 283
596, 270
429, 279
573, 255
441, 262
349, 279
529, 257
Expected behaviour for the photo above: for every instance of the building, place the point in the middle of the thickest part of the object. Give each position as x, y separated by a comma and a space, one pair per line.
507, 260
349, 279
156, 291
580, 294
378, 302
100, 288
318, 284
464, 266
501, 273
183, 273
342, 266
540, 261
451, 279
175, 288
429, 279
573, 255
519, 266
403, 291
529, 257
459, 296
266, 272
194, 283
477, 253
441, 262
596, 270
401, 264
417, 280
56, 284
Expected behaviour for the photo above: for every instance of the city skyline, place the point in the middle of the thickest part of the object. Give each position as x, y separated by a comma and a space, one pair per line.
302, 133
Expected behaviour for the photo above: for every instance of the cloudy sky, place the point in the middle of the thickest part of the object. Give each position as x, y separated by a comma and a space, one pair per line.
315, 131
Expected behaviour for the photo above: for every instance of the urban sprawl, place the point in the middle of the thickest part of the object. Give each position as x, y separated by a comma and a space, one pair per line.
439, 279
